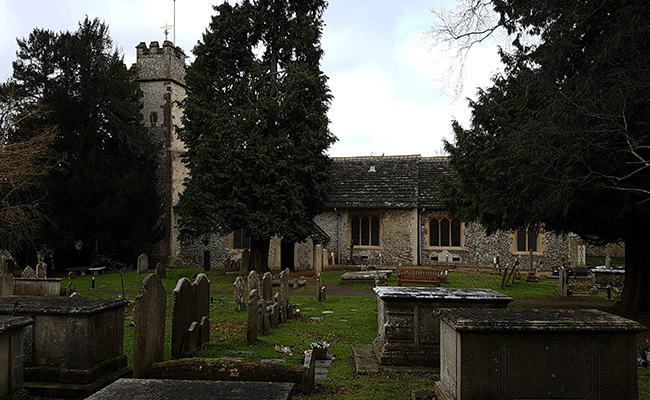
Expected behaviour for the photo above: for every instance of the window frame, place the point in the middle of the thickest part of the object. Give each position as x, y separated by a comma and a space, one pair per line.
373, 230
243, 239
527, 233
450, 233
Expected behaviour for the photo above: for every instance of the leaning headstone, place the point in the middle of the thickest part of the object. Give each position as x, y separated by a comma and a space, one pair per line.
143, 264
161, 270
251, 332
41, 270
182, 317
267, 286
28, 272
240, 297
201, 287
6, 285
253, 281
149, 332
245, 262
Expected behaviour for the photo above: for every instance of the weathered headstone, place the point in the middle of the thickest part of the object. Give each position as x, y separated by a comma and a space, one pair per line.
201, 287
245, 262
265, 321
28, 272
251, 332
284, 289
253, 281
149, 332
6, 285
182, 317
41, 270
3, 265
240, 297
267, 286
562, 288
608, 262
582, 255
319, 287
161, 270
143, 264
275, 315
322, 294
325, 259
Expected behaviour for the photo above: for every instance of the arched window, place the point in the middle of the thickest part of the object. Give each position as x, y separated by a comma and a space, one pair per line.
365, 229
444, 231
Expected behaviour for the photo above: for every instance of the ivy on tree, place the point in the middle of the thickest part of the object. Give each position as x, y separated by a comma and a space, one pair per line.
255, 124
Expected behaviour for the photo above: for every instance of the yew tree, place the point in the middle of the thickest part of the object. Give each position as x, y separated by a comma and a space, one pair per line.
562, 137
255, 124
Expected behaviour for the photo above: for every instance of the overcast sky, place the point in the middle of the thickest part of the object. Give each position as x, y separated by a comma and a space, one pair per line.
388, 97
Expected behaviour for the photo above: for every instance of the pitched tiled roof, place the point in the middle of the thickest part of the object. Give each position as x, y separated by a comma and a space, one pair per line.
387, 182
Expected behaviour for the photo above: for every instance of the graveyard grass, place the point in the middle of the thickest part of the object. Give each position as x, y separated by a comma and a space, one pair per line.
341, 321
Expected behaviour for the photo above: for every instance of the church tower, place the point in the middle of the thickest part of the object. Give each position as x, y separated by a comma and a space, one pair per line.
161, 75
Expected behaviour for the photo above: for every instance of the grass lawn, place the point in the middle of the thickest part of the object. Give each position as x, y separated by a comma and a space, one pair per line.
340, 320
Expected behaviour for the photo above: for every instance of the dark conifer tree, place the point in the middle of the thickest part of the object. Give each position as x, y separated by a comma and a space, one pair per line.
256, 125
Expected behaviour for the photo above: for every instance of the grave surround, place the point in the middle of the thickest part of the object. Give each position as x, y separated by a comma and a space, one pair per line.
408, 326
537, 354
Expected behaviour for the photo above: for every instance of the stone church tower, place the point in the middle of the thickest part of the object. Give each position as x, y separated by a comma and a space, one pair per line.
161, 75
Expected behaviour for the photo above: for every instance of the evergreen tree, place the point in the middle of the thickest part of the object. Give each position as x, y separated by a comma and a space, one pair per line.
105, 189
561, 138
255, 124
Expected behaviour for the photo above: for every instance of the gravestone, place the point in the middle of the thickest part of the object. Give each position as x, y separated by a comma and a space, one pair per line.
267, 286
161, 270
244, 265
149, 332
6, 285
11, 356
201, 288
70, 289
253, 324
253, 281
284, 289
143, 264
319, 287
275, 316
240, 297
562, 288
182, 317
265, 320
3, 265
537, 354
325, 259
41, 270
28, 272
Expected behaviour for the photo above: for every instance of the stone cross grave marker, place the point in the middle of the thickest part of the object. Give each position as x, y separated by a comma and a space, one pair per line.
143, 264
253, 324
240, 296
267, 286
149, 332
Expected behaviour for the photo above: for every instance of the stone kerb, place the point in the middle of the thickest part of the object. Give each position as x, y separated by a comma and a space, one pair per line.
11, 356
143, 264
201, 289
182, 317
149, 332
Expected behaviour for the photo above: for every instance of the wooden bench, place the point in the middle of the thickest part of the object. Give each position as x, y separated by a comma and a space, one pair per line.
419, 276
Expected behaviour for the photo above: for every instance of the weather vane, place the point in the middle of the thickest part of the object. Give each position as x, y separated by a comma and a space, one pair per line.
167, 28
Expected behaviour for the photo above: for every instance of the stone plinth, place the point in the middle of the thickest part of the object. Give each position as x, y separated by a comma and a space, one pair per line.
11, 356
366, 276
75, 341
37, 287
163, 389
537, 354
409, 329
603, 277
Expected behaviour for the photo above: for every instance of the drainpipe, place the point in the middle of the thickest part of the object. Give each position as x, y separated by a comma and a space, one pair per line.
420, 212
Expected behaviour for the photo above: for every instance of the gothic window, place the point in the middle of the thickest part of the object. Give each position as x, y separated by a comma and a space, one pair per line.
444, 231
364, 229
240, 240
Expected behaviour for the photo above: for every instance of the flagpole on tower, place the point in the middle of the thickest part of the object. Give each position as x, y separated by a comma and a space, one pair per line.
174, 23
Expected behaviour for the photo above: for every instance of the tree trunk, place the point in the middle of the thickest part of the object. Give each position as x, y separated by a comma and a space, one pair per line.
260, 255
636, 297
